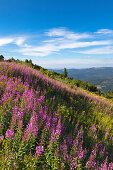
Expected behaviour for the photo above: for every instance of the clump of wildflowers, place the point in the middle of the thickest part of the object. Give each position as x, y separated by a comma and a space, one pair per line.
39, 150
10, 134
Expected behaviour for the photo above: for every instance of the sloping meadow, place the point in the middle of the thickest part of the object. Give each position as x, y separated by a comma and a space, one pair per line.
44, 124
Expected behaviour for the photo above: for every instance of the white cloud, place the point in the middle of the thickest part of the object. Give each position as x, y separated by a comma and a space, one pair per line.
61, 39
26, 45
19, 40
49, 48
5, 41
102, 50
84, 44
62, 32
104, 31
37, 54
12, 40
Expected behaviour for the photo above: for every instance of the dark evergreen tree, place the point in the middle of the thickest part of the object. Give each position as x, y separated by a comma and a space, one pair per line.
65, 72
1, 58
30, 61
26, 60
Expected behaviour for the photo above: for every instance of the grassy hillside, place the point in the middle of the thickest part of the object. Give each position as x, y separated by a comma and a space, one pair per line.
60, 76
46, 124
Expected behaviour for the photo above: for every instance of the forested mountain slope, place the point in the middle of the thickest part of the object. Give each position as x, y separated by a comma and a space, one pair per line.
99, 76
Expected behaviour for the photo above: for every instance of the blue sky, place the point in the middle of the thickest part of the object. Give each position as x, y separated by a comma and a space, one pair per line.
58, 33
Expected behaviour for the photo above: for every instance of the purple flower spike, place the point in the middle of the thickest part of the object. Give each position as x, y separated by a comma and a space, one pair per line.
39, 150
10, 134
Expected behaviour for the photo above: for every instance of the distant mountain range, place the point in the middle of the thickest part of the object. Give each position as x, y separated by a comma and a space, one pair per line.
99, 76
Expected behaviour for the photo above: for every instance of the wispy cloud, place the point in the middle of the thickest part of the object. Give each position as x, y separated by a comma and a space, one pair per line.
12, 40
5, 41
39, 50
20, 40
104, 31
102, 50
61, 39
49, 48
63, 32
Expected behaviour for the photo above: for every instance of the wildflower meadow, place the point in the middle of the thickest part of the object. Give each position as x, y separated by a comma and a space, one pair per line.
47, 125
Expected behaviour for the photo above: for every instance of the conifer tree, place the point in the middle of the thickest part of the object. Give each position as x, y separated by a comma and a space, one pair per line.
65, 72
1, 58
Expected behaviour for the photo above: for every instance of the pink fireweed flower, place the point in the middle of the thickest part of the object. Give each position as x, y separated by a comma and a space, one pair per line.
104, 164
64, 150
106, 134
55, 135
70, 118
91, 163
110, 166
1, 138
58, 128
39, 150
20, 114
15, 109
10, 134
31, 129
44, 116
48, 123
69, 139
77, 125
41, 99
93, 127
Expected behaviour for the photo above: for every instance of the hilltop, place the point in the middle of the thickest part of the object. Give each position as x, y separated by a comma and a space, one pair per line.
48, 122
